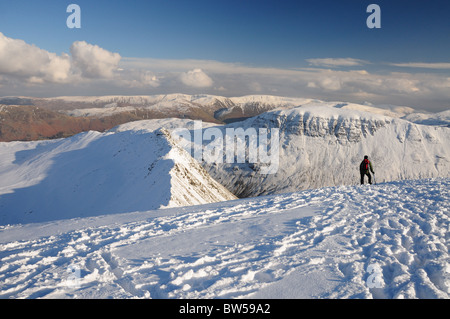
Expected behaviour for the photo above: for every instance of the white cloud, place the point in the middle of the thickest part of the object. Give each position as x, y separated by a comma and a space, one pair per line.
93, 61
336, 62
149, 79
21, 61
32, 64
438, 66
354, 85
196, 78
329, 83
138, 79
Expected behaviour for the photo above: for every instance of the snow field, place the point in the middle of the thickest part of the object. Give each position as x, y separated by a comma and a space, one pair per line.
310, 244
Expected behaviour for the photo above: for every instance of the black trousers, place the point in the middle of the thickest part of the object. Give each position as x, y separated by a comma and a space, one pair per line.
368, 174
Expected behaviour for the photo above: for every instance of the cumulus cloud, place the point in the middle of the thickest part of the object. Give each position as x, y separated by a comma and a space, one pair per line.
196, 78
22, 63
26, 62
32, 64
94, 61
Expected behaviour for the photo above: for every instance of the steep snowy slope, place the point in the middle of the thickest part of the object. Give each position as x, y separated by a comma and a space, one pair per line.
96, 173
321, 145
381, 241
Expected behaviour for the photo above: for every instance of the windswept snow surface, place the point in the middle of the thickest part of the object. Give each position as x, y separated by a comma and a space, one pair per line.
388, 240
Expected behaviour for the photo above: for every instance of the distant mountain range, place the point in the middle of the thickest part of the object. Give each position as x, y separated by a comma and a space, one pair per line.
29, 118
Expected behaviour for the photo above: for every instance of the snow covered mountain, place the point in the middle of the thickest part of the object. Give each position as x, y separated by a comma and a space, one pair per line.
322, 145
30, 118
223, 109
96, 173
138, 166
81, 217
209, 108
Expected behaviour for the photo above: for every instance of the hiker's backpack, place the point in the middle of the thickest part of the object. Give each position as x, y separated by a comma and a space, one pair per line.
364, 165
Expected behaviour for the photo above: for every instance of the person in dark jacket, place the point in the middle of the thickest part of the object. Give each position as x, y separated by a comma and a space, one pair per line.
365, 168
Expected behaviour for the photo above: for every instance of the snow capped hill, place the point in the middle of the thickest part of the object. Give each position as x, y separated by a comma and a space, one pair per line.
221, 107
68, 115
322, 145
381, 241
212, 108
99, 173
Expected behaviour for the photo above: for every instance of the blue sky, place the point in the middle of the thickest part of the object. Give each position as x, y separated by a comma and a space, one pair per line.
320, 49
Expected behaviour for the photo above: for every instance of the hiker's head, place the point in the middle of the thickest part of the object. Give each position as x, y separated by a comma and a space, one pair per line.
366, 157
